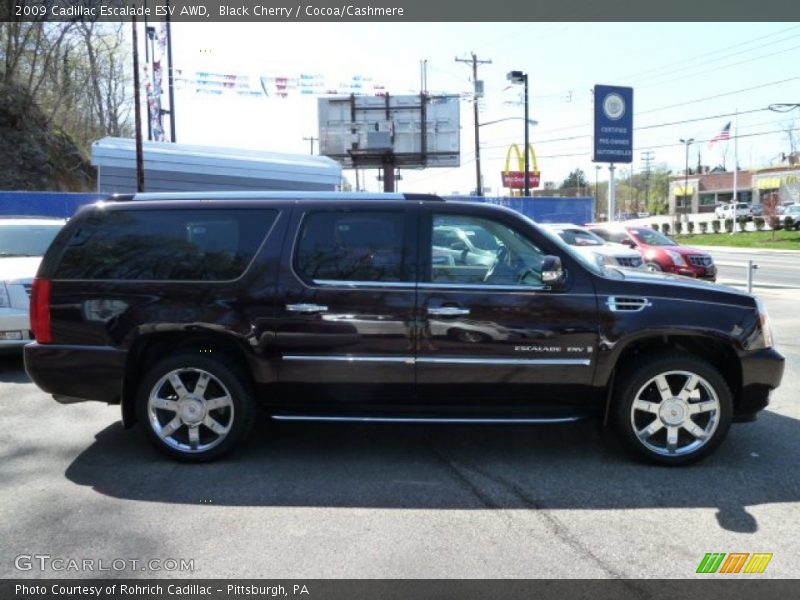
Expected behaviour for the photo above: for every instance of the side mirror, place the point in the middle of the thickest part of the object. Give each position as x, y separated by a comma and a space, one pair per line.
552, 272
629, 243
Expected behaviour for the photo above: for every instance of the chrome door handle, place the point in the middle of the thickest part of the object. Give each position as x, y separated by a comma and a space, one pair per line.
448, 311
306, 309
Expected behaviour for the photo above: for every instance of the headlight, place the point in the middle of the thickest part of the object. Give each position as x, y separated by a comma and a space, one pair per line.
766, 327
5, 302
676, 258
601, 260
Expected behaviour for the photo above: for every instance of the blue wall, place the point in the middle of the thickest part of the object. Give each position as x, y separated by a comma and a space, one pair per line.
45, 204
543, 209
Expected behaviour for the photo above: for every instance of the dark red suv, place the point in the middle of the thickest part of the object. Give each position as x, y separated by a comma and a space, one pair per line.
660, 252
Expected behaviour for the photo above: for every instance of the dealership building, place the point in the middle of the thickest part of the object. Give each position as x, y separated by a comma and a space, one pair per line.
702, 192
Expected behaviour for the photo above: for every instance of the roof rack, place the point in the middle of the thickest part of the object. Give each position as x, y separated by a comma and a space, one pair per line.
269, 195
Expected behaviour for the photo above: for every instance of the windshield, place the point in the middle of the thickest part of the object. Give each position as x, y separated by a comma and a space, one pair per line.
580, 237
25, 239
651, 237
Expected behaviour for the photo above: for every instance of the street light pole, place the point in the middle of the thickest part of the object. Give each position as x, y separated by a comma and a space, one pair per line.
687, 143
520, 77
597, 190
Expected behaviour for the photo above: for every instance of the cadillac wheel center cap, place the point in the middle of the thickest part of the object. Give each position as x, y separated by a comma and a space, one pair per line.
673, 411
191, 411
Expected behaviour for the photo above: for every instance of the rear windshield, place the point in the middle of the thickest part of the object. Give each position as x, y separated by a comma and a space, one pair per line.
176, 245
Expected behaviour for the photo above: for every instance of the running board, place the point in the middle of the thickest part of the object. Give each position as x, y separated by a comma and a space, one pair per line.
445, 420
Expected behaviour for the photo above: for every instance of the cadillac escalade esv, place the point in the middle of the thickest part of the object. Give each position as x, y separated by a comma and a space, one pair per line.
189, 310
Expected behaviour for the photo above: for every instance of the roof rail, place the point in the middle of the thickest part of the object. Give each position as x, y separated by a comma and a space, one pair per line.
424, 197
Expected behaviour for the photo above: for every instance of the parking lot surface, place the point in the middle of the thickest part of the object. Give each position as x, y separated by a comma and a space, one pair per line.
394, 501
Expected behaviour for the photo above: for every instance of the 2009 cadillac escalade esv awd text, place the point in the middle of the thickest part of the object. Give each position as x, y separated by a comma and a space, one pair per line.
190, 310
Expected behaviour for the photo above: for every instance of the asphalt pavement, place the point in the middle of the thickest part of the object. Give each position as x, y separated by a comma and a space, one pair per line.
306, 501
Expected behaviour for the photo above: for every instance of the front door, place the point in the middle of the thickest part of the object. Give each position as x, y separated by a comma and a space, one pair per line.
345, 321
494, 337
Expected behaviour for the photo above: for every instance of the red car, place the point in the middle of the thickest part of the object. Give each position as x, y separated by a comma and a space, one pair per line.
661, 253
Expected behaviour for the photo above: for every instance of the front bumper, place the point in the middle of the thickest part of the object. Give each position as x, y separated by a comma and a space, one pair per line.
762, 372
77, 372
15, 329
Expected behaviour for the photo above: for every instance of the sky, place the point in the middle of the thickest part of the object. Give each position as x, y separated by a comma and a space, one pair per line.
689, 80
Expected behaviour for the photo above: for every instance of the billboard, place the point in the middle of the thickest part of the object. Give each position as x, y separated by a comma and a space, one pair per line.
406, 131
515, 180
613, 124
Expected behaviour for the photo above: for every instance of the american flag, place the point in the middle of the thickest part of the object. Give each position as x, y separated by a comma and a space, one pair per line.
725, 134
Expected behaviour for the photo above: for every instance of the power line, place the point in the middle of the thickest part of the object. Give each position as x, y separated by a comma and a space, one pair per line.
477, 93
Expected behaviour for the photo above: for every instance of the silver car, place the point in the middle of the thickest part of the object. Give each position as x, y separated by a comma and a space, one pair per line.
23, 242
596, 248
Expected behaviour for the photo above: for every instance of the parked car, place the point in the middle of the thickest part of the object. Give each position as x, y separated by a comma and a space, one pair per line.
793, 211
596, 248
731, 211
660, 253
188, 310
23, 241
781, 208
460, 244
757, 210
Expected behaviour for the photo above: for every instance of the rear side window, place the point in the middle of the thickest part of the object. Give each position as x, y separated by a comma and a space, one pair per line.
351, 246
175, 245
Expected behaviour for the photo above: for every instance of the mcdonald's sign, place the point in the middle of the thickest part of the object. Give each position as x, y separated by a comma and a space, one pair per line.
515, 180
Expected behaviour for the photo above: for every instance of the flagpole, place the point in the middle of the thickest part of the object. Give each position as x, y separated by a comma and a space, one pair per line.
735, 166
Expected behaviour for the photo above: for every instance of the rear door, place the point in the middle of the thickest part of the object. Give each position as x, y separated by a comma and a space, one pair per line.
345, 327
495, 339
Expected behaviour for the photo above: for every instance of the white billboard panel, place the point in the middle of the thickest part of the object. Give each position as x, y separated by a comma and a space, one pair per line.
407, 131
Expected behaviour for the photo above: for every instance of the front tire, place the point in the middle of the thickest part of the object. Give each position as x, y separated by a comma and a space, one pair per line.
195, 408
672, 409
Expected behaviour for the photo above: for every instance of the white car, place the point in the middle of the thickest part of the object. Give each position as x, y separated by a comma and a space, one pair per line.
596, 248
726, 211
23, 242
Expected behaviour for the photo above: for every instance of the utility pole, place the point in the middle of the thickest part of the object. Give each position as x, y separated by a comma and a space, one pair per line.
647, 156
311, 139
138, 107
170, 79
477, 93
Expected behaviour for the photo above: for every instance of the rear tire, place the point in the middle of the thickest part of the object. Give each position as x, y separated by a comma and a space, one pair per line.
195, 408
672, 409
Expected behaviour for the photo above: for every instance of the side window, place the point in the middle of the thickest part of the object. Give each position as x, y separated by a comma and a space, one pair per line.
351, 246
165, 245
489, 253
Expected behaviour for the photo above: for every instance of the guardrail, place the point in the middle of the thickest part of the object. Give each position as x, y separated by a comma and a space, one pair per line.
750, 266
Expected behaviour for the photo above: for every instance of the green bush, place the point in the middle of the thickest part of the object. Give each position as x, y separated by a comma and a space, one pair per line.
742, 223
715, 226
788, 223
728, 225
704, 226
678, 228
654, 226
665, 228
759, 223
690, 227
774, 222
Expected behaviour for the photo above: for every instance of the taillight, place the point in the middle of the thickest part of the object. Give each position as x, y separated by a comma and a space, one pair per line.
40, 310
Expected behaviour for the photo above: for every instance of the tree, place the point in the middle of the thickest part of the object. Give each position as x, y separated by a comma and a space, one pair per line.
576, 179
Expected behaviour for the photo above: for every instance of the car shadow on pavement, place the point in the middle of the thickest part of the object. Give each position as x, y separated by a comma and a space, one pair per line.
453, 467
12, 369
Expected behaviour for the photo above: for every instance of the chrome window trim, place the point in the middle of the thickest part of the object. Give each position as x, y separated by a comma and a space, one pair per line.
484, 287
395, 285
451, 420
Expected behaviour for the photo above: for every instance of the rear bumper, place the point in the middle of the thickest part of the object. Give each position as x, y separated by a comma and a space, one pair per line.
77, 372
762, 372
15, 328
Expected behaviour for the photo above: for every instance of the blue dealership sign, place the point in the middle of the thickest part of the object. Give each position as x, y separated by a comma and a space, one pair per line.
613, 124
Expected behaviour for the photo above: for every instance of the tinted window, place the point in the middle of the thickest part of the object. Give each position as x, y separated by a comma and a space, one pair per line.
26, 240
199, 245
652, 238
351, 246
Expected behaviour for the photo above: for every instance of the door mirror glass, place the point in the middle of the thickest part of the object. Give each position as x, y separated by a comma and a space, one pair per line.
552, 272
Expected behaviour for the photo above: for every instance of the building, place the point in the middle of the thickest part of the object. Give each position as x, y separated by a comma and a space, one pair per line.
183, 167
702, 192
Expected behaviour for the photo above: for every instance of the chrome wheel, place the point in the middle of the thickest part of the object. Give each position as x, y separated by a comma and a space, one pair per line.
675, 413
190, 410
